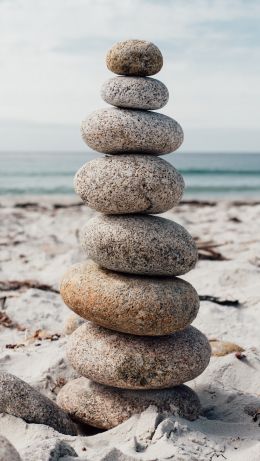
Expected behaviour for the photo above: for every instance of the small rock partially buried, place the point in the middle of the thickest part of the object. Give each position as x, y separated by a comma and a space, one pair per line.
132, 304
134, 57
105, 407
135, 93
7, 450
19, 399
138, 362
147, 245
129, 184
117, 131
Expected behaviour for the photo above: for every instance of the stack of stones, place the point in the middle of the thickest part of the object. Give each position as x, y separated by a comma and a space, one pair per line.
140, 348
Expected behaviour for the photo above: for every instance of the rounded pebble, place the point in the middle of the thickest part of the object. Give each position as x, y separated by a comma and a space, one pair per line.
135, 93
117, 131
129, 184
104, 407
134, 57
147, 245
130, 304
138, 362
19, 399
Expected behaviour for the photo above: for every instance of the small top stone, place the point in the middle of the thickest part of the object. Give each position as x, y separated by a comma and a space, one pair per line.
134, 57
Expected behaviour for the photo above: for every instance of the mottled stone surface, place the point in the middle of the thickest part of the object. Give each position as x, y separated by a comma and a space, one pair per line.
138, 362
134, 57
131, 304
139, 244
19, 399
116, 131
106, 407
135, 93
129, 184
7, 450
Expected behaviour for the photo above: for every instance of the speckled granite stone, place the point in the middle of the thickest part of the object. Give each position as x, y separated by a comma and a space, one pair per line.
7, 451
116, 131
129, 184
134, 57
139, 244
105, 407
131, 304
135, 93
19, 399
138, 362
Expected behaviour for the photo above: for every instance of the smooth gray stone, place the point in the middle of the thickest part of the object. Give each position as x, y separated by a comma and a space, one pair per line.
139, 244
19, 399
129, 184
134, 57
138, 362
135, 93
106, 407
7, 450
117, 131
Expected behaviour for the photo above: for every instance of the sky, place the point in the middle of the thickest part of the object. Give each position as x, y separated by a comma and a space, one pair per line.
52, 65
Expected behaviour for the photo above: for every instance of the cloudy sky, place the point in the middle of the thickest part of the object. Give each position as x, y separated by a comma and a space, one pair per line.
52, 64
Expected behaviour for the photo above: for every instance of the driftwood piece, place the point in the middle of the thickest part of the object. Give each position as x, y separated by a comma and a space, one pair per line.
13, 285
222, 302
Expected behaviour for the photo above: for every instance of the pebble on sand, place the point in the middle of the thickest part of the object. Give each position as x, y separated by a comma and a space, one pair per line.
19, 399
106, 407
138, 362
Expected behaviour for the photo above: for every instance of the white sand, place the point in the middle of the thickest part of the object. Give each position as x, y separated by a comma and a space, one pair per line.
38, 243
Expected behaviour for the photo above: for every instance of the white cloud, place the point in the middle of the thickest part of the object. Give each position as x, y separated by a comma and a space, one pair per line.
52, 63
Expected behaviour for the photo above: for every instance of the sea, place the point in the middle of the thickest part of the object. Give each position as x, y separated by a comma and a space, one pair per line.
213, 175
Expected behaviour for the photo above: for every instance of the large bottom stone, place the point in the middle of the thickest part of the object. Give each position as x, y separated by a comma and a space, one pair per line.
138, 362
132, 304
106, 407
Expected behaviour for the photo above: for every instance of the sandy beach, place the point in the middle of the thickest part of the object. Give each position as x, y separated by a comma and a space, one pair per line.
39, 240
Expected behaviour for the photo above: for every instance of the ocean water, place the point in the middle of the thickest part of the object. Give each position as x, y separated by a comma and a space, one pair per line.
205, 175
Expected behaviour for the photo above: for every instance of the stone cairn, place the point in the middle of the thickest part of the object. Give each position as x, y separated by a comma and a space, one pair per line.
140, 348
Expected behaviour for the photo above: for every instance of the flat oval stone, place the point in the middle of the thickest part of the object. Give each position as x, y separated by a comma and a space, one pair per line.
138, 362
129, 184
134, 57
131, 304
105, 407
147, 245
135, 93
116, 131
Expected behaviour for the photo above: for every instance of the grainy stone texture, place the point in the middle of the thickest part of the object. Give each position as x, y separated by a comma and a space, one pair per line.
7, 451
116, 131
19, 399
131, 304
134, 57
129, 184
138, 362
135, 93
139, 244
106, 407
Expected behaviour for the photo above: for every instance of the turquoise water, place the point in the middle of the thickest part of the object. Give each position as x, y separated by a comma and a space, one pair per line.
206, 175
